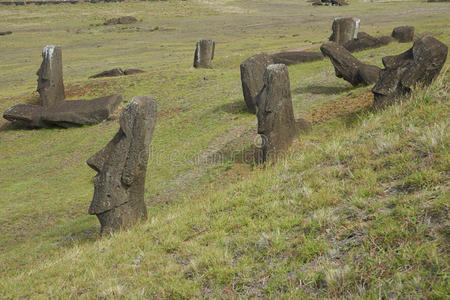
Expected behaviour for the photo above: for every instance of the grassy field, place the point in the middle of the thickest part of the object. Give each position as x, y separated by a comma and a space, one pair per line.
359, 208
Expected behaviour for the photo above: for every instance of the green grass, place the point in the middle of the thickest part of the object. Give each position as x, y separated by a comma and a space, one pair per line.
359, 207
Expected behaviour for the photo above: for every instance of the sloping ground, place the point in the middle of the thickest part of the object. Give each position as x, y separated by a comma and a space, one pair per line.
358, 208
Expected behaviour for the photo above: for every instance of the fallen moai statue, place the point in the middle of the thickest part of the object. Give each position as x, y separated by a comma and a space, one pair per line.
348, 67
252, 77
5, 32
419, 65
121, 20
403, 34
329, 2
119, 186
366, 41
117, 72
276, 122
295, 57
204, 53
50, 76
63, 113
344, 30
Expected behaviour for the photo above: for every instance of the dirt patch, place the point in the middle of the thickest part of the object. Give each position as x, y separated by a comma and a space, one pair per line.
339, 108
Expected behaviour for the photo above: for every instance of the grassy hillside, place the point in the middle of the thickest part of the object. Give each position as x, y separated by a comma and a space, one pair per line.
358, 207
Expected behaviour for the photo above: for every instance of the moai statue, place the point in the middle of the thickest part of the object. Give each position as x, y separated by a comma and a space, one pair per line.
276, 123
122, 165
418, 66
204, 53
50, 76
344, 30
252, 77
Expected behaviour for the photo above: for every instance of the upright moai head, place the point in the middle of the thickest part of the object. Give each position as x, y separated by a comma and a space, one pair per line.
119, 185
50, 76
276, 123
252, 77
344, 30
204, 53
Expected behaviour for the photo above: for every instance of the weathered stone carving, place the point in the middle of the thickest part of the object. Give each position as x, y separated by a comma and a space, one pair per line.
366, 41
116, 72
276, 123
344, 30
295, 57
419, 65
252, 77
63, 113
348, 67
50, 76
404, 34
118, 200
204, 54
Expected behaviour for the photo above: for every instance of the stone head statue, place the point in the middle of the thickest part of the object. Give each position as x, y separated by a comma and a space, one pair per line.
119, 185
50, 76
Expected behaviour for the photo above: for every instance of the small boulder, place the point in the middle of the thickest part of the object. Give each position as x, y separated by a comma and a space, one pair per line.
121, 20
419, 65
296, 57
252, 78
366, 41
348, 67
403, 34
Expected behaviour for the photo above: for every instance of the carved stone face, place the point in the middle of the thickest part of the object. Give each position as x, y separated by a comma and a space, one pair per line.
121, 168
50, 76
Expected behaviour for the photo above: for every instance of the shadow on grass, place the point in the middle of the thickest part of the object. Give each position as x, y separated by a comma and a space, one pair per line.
324, 90
84, 236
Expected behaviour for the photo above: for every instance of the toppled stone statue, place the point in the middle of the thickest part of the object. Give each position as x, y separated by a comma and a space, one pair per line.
295, 57
419, 65
121, 20
366, 41
349, 68
329, 2
252, 77
117, 72
63, 113
344, 30
50, 76
5, 32
119, 186
204, 53
276, 122
404, 34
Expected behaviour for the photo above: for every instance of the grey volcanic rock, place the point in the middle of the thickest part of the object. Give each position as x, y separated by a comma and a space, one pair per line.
329, 2
366, 41
419, 65
64, 113
252, 77
117, 72
121, 20
204, 53
344, 30
50, 76
348, 67
109, 73
404, 34
5, 32
132, 71
296, 57
119, 186
276, 123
